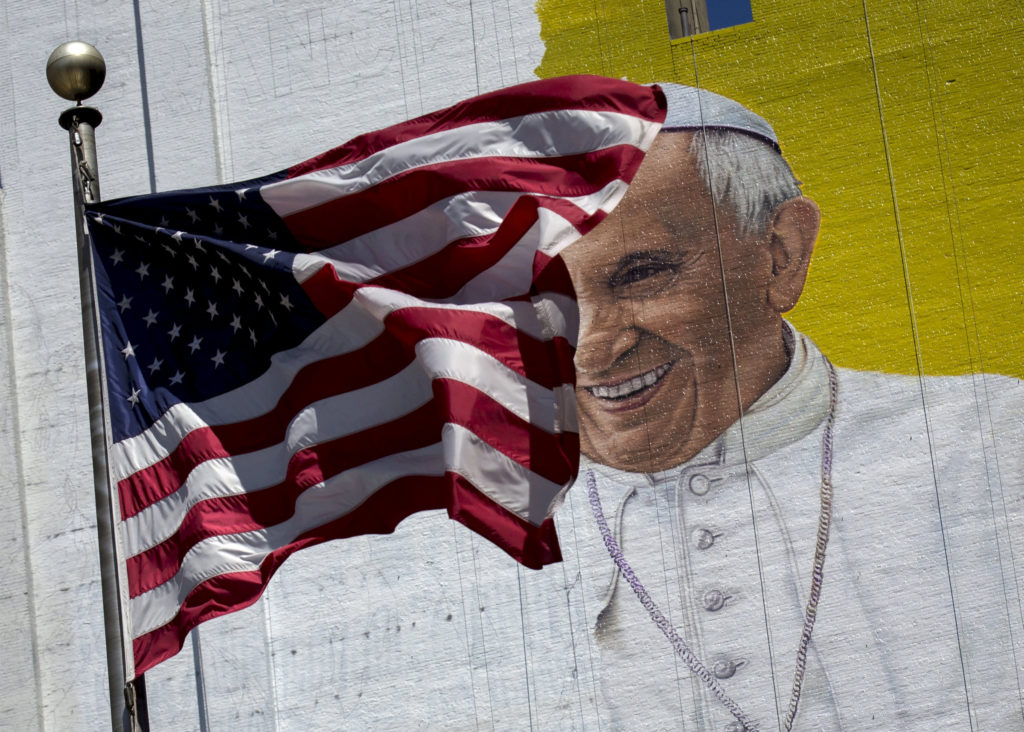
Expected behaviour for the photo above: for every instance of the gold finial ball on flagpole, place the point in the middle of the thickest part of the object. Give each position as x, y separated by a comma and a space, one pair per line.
76, 70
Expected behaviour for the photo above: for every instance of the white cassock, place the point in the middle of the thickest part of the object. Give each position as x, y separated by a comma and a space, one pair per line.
920, 620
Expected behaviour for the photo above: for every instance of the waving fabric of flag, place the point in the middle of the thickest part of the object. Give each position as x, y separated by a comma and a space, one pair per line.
380, 330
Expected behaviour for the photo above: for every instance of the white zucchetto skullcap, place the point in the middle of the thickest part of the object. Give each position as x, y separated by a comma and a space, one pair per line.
692, 109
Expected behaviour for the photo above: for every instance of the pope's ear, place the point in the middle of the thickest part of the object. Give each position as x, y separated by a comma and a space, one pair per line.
793, 230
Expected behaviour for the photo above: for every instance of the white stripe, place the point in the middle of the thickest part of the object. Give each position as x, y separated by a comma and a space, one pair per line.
512, 275
466, 453
348, 330
559, 315
345, 414
412, 239
545, 134
506, 482
428, 231
445, 359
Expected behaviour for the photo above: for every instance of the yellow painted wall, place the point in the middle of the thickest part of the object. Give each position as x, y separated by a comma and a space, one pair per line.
935, 86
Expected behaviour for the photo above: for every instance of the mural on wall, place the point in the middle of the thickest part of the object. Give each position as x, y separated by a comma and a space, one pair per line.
819, 510
764, 497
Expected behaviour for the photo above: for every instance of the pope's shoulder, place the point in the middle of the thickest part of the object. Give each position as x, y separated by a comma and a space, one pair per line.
871, 399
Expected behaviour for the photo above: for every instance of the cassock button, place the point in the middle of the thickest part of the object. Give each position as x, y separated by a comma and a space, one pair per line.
726, 669
704, 538
700, 484
714, 600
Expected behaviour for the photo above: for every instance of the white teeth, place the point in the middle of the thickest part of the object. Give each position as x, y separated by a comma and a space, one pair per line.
631, 386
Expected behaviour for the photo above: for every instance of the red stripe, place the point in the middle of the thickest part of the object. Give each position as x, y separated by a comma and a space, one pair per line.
567, 92
383, 357
551, 456
328, 293
446, 272
530, 545
402, 195
551, 276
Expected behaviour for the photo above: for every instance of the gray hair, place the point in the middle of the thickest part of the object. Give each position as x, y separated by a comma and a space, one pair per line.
744, 172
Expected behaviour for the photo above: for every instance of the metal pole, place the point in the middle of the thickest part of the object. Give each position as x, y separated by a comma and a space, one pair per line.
684, 20
75, 71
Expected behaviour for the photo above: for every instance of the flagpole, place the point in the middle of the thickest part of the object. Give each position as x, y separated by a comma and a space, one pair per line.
75, 71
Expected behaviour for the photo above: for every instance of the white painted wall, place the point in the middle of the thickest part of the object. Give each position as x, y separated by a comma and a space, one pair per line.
235, 89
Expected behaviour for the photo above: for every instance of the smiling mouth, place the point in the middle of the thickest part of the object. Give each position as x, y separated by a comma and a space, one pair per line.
630, 387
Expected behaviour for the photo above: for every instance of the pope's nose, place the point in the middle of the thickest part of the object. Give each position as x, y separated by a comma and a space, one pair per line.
606, 334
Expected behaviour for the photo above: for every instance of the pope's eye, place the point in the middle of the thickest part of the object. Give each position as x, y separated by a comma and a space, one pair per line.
644, 273
641, 272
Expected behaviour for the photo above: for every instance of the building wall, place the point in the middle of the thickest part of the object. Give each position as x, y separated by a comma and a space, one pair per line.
924, 210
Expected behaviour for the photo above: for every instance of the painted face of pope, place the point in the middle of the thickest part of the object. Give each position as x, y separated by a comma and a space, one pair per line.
681, 301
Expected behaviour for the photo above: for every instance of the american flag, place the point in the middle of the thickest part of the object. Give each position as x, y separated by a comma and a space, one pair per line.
380, 330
